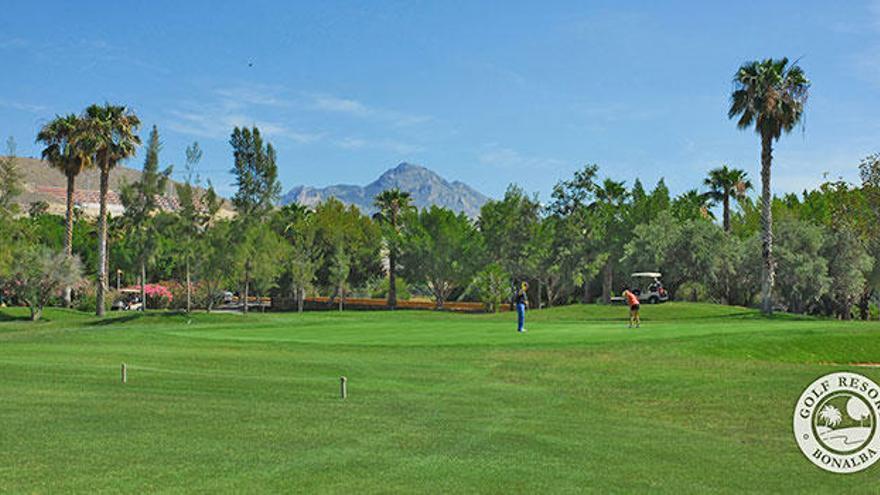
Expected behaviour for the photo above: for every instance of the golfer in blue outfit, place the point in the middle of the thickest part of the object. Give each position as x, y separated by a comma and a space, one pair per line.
522, 302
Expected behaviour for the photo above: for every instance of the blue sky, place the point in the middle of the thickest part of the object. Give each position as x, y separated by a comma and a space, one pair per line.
485, 92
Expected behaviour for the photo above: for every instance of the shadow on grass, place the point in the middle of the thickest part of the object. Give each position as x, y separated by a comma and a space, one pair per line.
665, 315
8, 317
121, 319
624, 314
115, 320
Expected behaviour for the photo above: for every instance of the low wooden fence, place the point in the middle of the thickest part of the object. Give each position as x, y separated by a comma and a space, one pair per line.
362, 303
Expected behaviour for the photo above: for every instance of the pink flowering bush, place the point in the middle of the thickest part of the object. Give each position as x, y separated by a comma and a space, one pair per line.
158, 296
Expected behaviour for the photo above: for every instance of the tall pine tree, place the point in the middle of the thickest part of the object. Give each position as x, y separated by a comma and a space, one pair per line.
197, 210
141, 202
256, 176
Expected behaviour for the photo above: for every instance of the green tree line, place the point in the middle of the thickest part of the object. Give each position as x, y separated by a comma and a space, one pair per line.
810, 253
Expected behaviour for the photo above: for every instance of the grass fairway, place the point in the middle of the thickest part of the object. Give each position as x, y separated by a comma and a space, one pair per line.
700, 399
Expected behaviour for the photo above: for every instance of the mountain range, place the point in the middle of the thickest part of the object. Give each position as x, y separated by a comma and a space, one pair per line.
424, 185
44, 183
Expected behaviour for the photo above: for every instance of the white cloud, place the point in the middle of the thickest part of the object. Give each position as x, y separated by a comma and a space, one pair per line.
236, 106
303, 137
508, 158
352, 143
268, 129
274, 96
218, 124
23, 106
400, 148
868, 61
84, 53
100, 53
355, 108
254, 94
198, 124
341, 105
13, 43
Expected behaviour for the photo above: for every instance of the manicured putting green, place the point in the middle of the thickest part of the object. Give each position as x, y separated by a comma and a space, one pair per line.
697, 400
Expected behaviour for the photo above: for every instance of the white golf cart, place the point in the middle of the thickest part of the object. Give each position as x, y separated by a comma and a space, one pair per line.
129, 300
647, 287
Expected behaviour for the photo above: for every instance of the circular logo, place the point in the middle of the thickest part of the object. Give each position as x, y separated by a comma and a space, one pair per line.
835, 422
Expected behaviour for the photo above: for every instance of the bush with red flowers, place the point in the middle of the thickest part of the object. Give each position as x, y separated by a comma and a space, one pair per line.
158, 296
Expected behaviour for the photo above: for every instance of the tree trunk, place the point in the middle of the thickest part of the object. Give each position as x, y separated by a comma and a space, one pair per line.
68, 234
188, 289
846, 310
102, 242
726, 212
341, 296
439, 294
107, 260
36, 312
246, 283
865, 303
143, 285
767, 265
728, 291
300, 299
539, 293
586, 292
392, 279
607, 280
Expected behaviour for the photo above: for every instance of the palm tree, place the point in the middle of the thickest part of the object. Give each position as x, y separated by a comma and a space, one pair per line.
68, 150
691, 205
114, 131
723, 183
770, 95
391, 204
830, 415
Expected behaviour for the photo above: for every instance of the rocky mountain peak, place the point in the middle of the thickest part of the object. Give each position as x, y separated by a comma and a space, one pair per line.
426, 187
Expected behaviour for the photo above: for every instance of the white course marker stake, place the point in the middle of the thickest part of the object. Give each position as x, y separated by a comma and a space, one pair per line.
343, 391
124, 374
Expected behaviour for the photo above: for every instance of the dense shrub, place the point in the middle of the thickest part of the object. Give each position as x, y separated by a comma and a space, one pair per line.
693, 292
39, 275
378, 288
86, 300
493, 286
158, 296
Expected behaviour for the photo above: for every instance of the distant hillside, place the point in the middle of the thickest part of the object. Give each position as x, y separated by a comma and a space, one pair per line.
426, 187
44, 183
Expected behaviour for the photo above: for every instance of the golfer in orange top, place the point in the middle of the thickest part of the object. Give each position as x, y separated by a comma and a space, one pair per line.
633, 301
